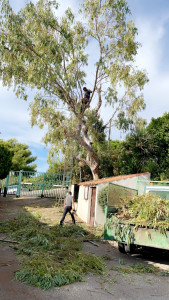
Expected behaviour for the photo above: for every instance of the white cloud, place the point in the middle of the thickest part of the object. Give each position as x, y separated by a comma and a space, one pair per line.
151, 58
150, 52
15, 119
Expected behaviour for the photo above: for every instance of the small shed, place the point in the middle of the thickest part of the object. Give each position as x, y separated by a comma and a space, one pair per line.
88, 208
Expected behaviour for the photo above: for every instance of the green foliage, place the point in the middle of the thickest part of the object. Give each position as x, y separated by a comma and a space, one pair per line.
146, 211
39, 50
136, 153
102, 197
159, 130
109, 156
95, 128
50, 256
147, 150
122, 232
22, 157
5, 160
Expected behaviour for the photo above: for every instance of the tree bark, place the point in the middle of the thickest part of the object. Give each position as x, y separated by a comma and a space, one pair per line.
94, 168
92, 163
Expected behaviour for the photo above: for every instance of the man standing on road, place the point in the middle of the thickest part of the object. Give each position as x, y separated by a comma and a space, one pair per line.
68, 203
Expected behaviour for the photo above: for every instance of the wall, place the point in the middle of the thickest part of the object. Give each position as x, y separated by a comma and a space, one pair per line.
130, 182
83, 209
142, 185
99, 214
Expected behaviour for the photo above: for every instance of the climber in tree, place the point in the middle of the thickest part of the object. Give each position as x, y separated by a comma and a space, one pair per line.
86, 99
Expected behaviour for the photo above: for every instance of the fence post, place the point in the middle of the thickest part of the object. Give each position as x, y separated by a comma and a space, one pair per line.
19, 184
6, 186
43, 185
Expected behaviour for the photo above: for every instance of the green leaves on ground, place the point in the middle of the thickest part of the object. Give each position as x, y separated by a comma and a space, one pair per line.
136, 268
50, 256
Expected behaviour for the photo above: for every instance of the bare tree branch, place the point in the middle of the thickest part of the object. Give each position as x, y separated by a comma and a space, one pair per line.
100, 100
105, 125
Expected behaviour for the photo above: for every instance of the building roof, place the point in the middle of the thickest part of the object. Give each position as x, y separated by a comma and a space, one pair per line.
109, 179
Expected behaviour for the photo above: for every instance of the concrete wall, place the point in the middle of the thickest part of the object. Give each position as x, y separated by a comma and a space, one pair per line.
83, 210
130, 182
83, 207
142, 185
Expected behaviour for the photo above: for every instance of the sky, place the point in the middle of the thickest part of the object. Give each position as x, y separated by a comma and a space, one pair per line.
152, 20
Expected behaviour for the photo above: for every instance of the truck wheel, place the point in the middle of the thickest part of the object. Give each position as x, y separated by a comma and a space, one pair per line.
129, 248
121, 247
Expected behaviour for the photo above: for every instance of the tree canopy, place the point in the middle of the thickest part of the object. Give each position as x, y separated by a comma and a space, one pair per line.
22, 158
148, 150
51, 54
5, 160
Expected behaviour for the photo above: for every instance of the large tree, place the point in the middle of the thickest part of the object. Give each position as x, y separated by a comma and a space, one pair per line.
5, 160
22, 156
147, 150
40, 50
159, 130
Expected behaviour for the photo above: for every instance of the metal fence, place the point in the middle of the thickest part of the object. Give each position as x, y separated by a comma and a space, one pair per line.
37, 184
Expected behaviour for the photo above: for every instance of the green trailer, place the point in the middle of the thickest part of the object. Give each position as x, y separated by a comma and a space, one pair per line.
133, 237
126, 234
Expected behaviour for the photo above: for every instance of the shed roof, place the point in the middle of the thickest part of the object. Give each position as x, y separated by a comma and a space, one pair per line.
109, 179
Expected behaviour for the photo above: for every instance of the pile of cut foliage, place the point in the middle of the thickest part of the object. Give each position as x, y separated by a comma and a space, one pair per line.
50, 256
146, 211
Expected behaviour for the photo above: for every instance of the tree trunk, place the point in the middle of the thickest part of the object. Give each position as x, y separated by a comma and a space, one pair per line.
91, 160
94, 166
95, 174
92, 163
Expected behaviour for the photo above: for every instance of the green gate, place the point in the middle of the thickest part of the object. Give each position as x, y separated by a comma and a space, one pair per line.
36, 184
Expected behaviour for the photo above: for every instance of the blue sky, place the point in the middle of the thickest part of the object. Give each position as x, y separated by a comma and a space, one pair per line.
152, 20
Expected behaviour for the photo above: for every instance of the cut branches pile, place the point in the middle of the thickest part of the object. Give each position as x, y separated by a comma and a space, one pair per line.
147, 210
50, 256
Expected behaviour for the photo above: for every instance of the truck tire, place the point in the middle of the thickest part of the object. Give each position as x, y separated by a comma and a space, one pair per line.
121, 247
130, 248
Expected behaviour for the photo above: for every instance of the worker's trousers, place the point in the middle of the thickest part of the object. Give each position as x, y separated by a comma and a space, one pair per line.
66, 210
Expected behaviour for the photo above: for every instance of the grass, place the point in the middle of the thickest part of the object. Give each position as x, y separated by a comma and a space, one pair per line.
50, 256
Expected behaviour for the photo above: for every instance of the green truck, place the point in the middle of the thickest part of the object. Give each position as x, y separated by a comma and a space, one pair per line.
128, 235
133, 237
